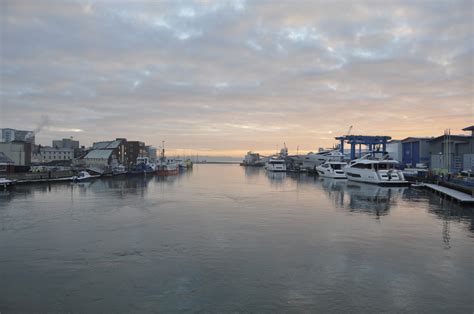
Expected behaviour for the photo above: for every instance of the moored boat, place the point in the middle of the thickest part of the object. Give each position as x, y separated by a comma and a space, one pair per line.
369, 169
332, 169
83, 176
6, 183
311, 160
275, 165
119, 170
166, 167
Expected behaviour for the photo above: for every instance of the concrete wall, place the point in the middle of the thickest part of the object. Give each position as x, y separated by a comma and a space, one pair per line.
468, 162
19, 152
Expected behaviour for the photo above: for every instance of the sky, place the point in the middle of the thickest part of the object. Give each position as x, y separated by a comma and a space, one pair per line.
225, 77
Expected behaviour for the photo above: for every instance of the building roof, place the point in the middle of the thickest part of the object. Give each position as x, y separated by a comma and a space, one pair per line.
101, 145
4, 159
114, 144
107, 144
416, 139
469, 128
99, 154
462, 138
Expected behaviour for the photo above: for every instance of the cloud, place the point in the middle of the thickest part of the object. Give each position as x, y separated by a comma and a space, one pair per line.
232, 75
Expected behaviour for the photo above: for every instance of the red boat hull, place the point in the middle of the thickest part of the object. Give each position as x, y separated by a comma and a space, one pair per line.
166, 172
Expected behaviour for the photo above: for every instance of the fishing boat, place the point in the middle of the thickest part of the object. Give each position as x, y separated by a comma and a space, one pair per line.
332, 169
6, 183
143, 166
83, 176
369, 169
276, 165
164, 166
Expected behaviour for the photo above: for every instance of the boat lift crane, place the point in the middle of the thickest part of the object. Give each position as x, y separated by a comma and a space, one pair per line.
370, 141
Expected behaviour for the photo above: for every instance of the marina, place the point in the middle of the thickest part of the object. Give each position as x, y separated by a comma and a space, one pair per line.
204, 241
319, 157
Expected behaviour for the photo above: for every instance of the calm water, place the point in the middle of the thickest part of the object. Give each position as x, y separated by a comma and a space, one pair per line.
223, 238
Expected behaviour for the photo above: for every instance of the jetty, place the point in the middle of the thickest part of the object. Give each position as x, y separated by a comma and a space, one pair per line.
457, 196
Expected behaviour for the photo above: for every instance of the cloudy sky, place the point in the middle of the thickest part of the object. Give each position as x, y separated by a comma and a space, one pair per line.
223, 77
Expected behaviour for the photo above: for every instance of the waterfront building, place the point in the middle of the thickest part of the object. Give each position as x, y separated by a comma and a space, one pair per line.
394, 150
125, 151
47, 154
452, 153
100, 160
134, 149
10, 135
19, 152
415, 151
6, 164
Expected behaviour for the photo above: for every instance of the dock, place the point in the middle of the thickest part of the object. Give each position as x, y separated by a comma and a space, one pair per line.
457, 196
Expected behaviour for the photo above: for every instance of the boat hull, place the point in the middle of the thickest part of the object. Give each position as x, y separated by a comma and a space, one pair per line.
373, 179
5, 185
167, 172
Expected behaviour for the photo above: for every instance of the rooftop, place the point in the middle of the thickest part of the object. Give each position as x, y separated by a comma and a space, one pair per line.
469, 128
99, 154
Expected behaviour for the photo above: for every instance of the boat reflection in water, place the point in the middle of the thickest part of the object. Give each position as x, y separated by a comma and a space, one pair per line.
335, 188
372, 198
362, 197
275, 177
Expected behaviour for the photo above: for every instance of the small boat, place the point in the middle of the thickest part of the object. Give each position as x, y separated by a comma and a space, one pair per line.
370, 169
189, 163
6, 183
83, 176
119, 170
276, 165
332, 169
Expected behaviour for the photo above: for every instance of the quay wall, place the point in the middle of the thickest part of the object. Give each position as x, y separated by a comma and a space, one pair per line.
27, 176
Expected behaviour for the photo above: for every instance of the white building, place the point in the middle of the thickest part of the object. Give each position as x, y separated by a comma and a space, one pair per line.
47, 154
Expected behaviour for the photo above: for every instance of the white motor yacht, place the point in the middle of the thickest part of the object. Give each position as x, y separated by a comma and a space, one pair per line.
369, 169
276, 165
332, 169
312, 160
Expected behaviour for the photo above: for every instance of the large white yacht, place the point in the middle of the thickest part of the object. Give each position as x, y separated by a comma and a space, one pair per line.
276, 165
332, 169
369, 169
312, 160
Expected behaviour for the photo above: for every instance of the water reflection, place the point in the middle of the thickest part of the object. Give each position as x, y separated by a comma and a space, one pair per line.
360, 197
371, 198
335, 189
275, 177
